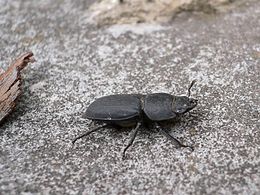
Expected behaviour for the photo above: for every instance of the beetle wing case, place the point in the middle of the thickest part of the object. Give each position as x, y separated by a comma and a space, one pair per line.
114, 108
158, 107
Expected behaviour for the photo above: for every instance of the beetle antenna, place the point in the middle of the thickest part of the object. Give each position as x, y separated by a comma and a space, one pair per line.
192, 83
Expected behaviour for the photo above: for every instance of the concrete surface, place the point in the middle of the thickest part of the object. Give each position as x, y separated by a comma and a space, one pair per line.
77, 62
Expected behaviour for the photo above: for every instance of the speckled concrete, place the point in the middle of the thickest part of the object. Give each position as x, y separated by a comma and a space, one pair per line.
76, 63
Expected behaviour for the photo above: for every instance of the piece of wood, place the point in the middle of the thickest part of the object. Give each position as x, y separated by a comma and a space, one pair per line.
10, 84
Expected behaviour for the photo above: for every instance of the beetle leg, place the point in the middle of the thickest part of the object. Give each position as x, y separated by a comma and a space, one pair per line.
89, 132
164, 132
133, 136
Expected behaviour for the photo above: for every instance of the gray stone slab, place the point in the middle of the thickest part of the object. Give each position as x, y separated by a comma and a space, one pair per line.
77, 62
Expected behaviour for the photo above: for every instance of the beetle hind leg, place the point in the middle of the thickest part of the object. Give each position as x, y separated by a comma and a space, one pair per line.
133, 136
89, 132
177, 142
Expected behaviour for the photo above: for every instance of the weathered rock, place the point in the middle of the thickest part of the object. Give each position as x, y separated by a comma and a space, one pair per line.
137, 11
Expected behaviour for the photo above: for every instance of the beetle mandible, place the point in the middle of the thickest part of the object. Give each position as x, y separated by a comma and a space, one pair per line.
126, 110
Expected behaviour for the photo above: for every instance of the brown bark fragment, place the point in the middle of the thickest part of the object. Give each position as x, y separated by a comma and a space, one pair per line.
10, 82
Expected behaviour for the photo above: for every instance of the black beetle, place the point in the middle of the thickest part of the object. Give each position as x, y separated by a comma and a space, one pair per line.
136, 109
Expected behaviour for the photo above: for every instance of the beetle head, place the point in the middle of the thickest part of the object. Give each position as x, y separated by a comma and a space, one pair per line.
183, 104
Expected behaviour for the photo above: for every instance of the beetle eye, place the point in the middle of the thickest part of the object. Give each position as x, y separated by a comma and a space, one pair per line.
178, 111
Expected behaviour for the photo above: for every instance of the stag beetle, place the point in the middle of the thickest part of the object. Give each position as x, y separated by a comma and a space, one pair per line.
125, 110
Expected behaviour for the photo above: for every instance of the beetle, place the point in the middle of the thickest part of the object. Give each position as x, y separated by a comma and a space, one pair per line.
126, 110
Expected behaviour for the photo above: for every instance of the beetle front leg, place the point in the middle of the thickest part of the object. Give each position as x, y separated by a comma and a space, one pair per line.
133, 136
165, 133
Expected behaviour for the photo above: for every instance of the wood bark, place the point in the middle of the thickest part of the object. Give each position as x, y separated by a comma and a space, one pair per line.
10, 84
